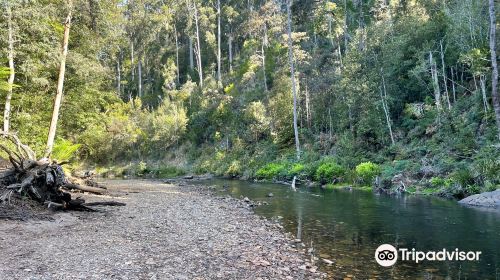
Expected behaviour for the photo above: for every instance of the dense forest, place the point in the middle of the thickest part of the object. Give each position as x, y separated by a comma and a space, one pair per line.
400, 93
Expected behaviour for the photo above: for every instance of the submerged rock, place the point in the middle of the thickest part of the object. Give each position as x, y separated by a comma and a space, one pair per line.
486, 199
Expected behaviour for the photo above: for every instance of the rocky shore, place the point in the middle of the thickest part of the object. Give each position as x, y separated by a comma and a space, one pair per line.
165, 231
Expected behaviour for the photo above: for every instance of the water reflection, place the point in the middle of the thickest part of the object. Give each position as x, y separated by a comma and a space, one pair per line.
347, 227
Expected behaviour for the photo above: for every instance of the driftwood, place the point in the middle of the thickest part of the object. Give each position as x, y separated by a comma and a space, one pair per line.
42, 180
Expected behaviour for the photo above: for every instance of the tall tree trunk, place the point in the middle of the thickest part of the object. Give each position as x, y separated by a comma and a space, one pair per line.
198, 46
340, 52
219, 76
264, 43
292, 75
230, 45
132, 60
177, 55
6, 115
444, 77
139, 77
383, 98
308, 107
60, 84
494, 65
435, 82
191, 56
453, 86
118, 76
346, 33
482, 83
361, 22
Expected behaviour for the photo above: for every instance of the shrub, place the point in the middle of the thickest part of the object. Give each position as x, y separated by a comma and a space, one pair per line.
366, 172
271, 171
296, 169
440, 182
329, 170
167, 171
142, 169
234, 169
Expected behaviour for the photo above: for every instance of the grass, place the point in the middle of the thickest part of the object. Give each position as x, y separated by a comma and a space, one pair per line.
341, 186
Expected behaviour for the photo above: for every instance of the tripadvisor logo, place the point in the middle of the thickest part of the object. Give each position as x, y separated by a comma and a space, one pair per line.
387, 255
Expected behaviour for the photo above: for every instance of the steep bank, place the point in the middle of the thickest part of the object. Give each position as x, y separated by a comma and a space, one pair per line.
164, 232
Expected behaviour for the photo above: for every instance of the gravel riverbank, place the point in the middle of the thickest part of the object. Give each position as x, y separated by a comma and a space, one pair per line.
165, 231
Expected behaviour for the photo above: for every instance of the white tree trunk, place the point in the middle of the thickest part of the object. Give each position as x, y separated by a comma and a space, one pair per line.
482, 83
292, 75
198, 46
346, 33
191, 56
132, 60
230, 45
494, 65
6, 115
308, 107
219, 76
435, 82
444, 77
264, 42
453, 86
383, 97
60, 84
118, 77
177, 55
139, 77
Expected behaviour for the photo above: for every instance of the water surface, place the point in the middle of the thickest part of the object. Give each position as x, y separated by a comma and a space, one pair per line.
347, 226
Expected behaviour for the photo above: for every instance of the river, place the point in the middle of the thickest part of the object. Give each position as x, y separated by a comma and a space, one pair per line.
347, 226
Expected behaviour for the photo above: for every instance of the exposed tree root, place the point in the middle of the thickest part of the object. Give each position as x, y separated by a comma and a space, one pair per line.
42, 181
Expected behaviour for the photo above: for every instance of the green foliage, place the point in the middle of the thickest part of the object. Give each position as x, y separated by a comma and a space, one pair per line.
242, 125
329, 171
234, 169
366, 172
271, 171
440, 182
64, 150
296, 169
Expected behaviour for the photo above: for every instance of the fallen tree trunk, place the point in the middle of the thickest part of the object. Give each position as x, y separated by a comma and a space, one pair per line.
84, 188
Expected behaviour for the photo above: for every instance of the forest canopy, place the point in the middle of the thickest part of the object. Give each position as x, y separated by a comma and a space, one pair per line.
380, 87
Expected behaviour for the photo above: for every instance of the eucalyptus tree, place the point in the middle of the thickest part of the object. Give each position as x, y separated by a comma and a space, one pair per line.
292, 76
10, 40
494, 64
60, 81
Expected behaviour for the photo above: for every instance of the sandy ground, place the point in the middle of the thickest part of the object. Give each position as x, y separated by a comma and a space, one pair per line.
164, 232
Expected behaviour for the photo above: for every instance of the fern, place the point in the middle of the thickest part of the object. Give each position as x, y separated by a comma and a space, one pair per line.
64, 150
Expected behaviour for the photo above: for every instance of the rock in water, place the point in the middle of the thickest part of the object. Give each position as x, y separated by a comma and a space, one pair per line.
246, 199
486, 199
270, 194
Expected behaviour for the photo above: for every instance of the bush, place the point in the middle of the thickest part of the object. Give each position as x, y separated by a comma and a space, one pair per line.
271, 171
296, 169
328, 171
167, 171
234, 169
366, 172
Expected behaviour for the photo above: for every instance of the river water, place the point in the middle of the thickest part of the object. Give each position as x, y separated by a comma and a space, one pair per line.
347, 226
